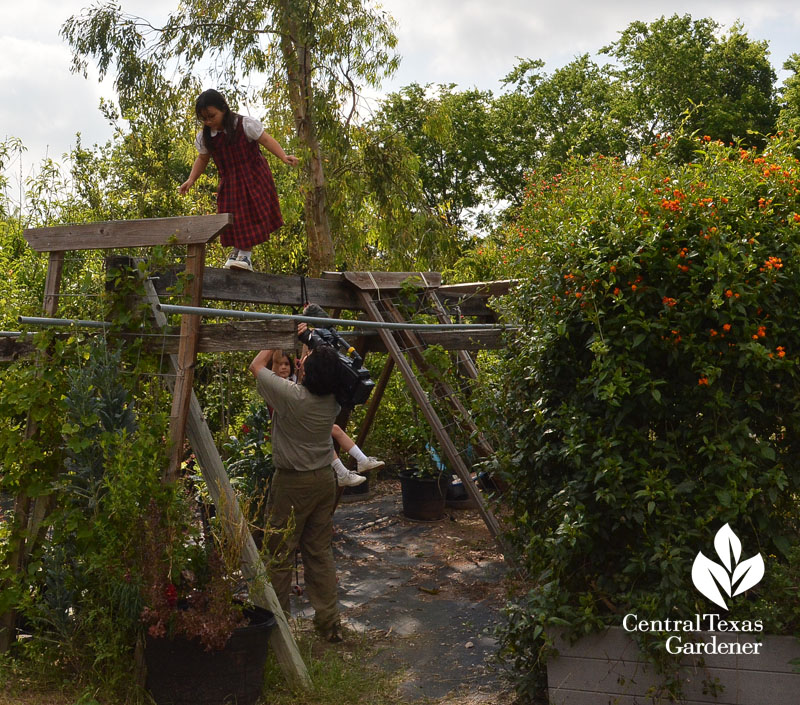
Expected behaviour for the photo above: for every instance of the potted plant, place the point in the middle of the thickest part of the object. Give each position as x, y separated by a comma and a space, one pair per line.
202, 644
423, 483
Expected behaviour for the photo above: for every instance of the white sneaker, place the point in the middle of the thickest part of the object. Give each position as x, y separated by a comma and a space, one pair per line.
242, 262
231, 259
349, 479
369, 463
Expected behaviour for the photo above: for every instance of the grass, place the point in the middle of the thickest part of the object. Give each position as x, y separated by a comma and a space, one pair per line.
340, 674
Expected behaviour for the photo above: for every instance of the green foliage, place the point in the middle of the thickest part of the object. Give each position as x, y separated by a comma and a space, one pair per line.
674, 64
249, 464
650, 397
790, 95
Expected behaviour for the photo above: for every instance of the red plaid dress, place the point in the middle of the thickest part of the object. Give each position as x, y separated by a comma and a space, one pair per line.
246, 189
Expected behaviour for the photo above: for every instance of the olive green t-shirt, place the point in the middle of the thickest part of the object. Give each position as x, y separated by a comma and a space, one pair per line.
301, 423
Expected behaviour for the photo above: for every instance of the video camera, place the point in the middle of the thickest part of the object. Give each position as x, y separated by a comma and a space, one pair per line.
356, 385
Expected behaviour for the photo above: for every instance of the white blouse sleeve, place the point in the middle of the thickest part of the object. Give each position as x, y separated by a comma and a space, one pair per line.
198, 143
252, 128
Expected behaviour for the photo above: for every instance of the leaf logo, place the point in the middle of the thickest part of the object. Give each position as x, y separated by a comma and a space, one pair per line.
732, 577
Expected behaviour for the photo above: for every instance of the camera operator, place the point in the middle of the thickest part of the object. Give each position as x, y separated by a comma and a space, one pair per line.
304, 485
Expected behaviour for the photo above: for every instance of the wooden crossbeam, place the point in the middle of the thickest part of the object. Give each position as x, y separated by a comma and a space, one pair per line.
392, 281
148, 232
263, 288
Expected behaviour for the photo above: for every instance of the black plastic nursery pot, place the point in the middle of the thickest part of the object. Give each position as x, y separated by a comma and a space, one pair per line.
423, 497
457, 496
181, 672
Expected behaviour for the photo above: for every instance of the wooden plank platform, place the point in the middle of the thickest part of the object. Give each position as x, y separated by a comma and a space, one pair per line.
113, 234
263, 288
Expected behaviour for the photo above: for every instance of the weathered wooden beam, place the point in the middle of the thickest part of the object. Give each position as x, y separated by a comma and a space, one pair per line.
392, 281
187, 356
148, 232
13, 348
230, 337
262, 288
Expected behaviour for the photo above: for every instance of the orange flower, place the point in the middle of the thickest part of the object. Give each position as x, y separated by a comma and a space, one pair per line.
781, 351
729, 293
616, 291
613, 268
703, 381
668, 301
726, 327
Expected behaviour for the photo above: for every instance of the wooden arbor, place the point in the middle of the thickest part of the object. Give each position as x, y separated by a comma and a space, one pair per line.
368, 293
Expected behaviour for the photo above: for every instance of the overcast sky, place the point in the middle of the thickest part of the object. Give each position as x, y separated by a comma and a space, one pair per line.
472, 43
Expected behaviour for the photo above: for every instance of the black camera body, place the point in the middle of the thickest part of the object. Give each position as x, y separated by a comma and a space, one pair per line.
356, 385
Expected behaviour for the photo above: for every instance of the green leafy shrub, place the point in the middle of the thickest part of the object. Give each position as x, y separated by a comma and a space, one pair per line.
651, 395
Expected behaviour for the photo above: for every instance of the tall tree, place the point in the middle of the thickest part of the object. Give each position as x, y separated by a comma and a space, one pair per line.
447, 130
544, 120
790, 95
677, 72
315, 55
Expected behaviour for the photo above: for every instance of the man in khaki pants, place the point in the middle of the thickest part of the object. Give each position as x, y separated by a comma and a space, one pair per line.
304, 484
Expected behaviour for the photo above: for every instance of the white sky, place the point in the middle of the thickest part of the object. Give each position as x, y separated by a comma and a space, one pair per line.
472, 43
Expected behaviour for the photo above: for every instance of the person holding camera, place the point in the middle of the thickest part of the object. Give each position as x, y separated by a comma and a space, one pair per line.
303, 488
282, 364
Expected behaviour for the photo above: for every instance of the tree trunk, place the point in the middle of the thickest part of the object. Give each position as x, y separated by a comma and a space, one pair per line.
297, 58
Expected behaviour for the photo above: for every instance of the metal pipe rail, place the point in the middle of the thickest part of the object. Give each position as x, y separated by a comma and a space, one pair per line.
257, 316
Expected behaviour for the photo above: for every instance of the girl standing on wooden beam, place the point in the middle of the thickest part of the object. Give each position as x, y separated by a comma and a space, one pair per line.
246, 187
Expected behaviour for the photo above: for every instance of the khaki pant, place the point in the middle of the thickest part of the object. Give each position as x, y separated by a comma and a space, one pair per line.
310, 496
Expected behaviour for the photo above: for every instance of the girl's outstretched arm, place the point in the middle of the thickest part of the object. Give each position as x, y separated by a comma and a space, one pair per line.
272, 146
198, 168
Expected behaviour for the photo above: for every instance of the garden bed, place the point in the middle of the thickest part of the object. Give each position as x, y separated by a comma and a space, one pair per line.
610, 665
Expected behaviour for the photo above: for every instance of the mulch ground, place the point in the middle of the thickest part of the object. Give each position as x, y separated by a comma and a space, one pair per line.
427, 595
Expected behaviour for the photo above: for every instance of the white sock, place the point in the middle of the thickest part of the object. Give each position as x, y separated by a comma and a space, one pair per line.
339, 468
356, 454
245, 253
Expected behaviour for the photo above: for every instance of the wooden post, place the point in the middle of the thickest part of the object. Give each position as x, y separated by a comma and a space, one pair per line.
375, 401
187, 357
213, 470
24, 529
439, 431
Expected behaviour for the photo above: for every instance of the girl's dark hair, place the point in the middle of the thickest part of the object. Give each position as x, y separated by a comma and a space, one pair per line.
321, 371
281, 354
215, 99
